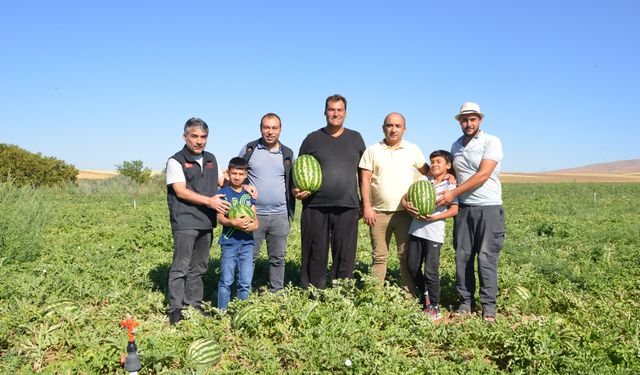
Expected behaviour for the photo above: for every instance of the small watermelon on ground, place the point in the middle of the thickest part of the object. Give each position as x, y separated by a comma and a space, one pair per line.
307, 173
521, 293
422, 196
244, 315
203, 352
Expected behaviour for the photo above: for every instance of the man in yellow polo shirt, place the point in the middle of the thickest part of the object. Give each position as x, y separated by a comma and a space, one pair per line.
387, 169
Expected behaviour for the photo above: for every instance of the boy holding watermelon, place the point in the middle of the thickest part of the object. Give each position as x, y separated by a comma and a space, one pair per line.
427, 236
236, 239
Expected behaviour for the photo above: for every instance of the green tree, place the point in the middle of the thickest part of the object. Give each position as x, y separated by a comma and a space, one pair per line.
135, 170
25, 168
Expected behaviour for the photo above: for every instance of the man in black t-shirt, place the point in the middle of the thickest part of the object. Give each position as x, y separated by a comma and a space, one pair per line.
330, 215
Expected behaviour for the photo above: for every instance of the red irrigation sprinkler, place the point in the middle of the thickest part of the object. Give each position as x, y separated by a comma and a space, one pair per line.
131, 360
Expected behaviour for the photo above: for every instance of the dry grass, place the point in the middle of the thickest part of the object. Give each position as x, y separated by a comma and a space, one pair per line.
96, 174
568, 177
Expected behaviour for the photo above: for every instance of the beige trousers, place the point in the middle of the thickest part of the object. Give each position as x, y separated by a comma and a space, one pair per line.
387, 224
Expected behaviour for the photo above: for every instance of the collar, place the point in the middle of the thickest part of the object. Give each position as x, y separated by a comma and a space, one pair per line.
403, 144
262, 146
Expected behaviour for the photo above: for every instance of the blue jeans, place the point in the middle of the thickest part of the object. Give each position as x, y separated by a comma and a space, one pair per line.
275, 228
235, 256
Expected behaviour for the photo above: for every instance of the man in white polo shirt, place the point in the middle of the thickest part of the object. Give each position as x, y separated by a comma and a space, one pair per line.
479, 225
387, 169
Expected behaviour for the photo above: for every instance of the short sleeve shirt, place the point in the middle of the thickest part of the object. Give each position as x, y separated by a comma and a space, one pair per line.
466, 162
393, 171
176, 174
231, 235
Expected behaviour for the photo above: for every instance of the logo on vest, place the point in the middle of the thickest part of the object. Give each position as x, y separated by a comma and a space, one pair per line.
210, 165
188, 165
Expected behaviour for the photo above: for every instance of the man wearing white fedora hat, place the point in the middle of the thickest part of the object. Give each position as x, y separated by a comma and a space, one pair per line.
479, 225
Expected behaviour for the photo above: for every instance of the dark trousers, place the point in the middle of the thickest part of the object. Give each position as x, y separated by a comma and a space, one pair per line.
425, 254
321, 226
478, 231
190, 261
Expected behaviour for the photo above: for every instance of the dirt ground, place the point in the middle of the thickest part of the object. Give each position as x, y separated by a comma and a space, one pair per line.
568, 177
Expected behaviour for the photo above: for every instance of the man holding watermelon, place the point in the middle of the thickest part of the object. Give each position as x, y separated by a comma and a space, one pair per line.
479, 225
330, 215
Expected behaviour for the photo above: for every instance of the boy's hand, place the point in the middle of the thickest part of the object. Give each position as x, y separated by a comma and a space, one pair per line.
241, 222
411, 209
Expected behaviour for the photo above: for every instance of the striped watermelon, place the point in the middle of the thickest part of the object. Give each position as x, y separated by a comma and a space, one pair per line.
241, 210
203, 352
521, 293
422, 196
307, 173
242, 317
61, 306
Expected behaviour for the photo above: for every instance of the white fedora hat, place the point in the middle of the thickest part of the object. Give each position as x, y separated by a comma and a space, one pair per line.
469, 108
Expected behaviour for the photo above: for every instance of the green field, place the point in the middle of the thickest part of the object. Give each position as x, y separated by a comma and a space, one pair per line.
75, 261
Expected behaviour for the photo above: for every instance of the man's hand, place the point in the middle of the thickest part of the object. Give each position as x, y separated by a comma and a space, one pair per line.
445, 198
299, 194
450, 178
252, 190
218, 203
369, 216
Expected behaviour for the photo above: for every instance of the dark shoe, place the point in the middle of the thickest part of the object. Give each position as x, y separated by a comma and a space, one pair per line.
175, 316
202, 311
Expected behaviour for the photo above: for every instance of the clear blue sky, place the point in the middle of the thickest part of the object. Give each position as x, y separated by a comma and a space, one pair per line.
98, 82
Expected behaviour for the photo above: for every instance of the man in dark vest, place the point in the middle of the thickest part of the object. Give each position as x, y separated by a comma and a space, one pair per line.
192, 186
270, 165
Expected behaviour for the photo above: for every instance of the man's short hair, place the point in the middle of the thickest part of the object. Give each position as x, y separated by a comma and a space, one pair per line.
335, 98
443, 154
270, 115
195, 123
238, 163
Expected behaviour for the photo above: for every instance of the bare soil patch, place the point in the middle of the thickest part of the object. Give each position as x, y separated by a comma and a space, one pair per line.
568, 177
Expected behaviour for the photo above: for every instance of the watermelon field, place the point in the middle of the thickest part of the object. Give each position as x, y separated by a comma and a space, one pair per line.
77, 260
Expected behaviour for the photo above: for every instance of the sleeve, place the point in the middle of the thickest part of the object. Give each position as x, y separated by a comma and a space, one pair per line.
243, 150
493, 149
366, 161
304, 147
418, 158
174, 172
451, 187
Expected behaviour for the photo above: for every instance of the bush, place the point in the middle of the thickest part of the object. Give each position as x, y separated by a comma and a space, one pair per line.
135, 170
24, 168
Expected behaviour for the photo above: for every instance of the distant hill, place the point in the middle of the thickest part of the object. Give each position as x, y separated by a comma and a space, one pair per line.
620, 166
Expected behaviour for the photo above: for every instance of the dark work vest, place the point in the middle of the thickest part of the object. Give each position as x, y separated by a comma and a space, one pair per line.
204, 181
287, 162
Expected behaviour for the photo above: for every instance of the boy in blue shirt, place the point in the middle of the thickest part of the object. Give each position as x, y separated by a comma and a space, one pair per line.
427, 236
236, 239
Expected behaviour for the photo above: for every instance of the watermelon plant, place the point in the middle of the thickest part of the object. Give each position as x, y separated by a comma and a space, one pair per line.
307, 173
567, 303
422, 196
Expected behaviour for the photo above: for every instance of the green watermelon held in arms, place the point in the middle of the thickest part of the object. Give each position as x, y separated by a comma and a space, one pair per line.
307, 173
422, 196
